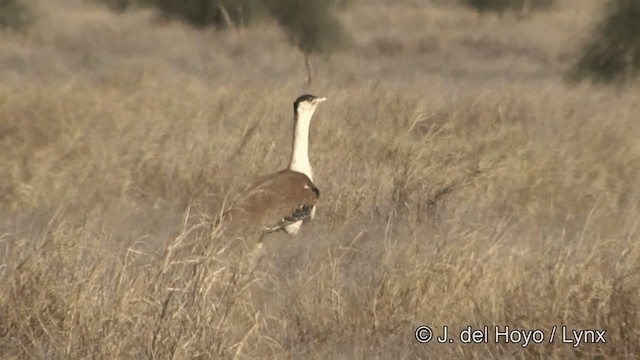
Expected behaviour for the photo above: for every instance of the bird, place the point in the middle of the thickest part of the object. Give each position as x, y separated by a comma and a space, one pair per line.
284, 199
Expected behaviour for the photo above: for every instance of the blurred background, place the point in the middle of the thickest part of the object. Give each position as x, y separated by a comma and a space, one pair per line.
349, 41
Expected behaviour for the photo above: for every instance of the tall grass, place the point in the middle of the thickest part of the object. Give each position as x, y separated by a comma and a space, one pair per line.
453, 199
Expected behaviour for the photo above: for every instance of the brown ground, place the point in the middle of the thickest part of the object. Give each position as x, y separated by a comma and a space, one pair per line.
462, 183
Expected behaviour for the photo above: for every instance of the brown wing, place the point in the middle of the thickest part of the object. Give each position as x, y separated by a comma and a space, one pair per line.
274, 201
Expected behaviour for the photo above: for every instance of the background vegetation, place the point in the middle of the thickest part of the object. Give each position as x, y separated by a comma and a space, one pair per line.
15, 14
311, 26
613, 51
501, 6
463, 183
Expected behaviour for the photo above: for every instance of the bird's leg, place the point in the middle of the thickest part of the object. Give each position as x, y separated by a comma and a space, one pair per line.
254, 256
261, 239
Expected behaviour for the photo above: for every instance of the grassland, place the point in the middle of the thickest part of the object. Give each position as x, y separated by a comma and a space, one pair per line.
462, 184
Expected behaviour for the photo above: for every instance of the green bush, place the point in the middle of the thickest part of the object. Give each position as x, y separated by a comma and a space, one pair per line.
196, 12
501, 6
613, 52
311, 26
243, 12
15, 14
199, 13
211, 12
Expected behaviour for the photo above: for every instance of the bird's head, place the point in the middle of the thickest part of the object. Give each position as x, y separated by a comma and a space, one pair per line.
307, 103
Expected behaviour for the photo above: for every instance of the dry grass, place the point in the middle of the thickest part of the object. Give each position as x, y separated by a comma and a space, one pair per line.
455, 190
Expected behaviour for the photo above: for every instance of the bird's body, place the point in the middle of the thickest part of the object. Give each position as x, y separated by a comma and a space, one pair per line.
275, 202
284, 199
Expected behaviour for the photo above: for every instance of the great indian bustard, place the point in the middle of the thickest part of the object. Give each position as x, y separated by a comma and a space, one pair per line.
282, 200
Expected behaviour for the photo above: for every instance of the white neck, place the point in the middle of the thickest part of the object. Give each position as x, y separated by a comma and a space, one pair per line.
300, 153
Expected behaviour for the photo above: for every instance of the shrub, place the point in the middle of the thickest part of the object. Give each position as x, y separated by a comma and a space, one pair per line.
243, 12
15, 14
613, 52
201, 13
501, 6
311, 26
220, 13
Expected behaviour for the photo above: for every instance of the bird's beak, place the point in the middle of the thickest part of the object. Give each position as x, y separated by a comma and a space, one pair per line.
321, 99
